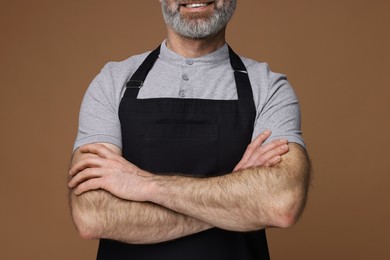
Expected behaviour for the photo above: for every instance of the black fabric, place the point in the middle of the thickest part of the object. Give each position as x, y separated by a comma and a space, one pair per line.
139, 76
194, 137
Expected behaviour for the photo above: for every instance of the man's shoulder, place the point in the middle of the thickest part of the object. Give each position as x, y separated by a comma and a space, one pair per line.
125, 66
114, 74
259, 70
254, 64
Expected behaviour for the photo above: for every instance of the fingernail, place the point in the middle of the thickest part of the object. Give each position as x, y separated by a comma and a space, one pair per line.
283, 140
267, 132
284, 147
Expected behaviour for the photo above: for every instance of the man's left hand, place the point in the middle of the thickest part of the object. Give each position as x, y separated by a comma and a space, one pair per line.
258, 154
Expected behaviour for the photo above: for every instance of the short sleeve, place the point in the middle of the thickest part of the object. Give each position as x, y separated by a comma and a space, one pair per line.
98, 118
280, 112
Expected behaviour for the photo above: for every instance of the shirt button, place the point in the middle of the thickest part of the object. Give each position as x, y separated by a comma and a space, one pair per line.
185, 77
182, 93
189, 62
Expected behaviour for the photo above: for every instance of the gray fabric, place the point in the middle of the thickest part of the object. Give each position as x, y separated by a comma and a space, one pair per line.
173, 76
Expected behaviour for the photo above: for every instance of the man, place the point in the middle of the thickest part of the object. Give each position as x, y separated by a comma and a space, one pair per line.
166, 163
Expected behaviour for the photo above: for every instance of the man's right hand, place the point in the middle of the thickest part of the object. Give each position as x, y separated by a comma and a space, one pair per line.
257, 154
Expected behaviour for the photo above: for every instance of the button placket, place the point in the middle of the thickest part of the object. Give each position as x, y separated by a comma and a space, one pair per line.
185, 76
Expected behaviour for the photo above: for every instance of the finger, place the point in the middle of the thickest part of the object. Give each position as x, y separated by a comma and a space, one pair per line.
255, 144
238, 167
91, 184
260, 159
279, 151
271, 146
259, 140
274, 161
88, 162
99, 149
85, 175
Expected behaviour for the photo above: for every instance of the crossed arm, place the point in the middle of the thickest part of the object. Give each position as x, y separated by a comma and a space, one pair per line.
100, 214
111, 198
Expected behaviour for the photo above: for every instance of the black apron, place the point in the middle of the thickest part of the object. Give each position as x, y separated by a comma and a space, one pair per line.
195, 137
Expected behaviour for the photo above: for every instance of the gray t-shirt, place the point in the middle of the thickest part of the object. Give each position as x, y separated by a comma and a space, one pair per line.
173, 76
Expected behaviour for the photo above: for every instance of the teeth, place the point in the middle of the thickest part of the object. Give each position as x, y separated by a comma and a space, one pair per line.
195, 5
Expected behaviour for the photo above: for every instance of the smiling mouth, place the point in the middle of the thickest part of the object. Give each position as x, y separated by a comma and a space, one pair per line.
196, 5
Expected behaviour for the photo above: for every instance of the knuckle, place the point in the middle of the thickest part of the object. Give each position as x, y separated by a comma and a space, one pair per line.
261, 138
268, 163
259, 151
79, 189
272, 145
100, 146
283, 147
250, 147
261, 161
88, 171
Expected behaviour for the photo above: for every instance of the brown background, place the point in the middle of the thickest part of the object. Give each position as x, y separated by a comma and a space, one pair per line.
335, 53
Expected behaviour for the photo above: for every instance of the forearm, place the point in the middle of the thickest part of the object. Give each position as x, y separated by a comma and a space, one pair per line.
98, 214
247, 200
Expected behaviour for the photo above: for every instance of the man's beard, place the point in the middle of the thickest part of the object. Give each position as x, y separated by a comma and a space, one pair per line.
196, 26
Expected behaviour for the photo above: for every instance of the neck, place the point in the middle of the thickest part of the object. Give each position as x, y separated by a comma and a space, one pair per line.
193, 48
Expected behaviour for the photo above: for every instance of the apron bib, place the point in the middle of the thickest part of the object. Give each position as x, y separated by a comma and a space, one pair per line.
194, 137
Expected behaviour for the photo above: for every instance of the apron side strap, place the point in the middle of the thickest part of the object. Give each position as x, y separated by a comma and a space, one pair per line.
244, 87
134, 84
138, 78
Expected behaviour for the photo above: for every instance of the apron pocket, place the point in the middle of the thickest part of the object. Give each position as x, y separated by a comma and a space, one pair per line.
187, 149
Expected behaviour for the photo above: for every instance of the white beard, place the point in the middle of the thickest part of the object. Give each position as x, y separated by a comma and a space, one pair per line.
198, 27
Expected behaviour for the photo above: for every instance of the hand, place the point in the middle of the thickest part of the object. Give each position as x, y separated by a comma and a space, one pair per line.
109, 171
268, 155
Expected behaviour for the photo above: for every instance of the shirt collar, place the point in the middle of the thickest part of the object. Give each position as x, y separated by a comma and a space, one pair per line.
214, 57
